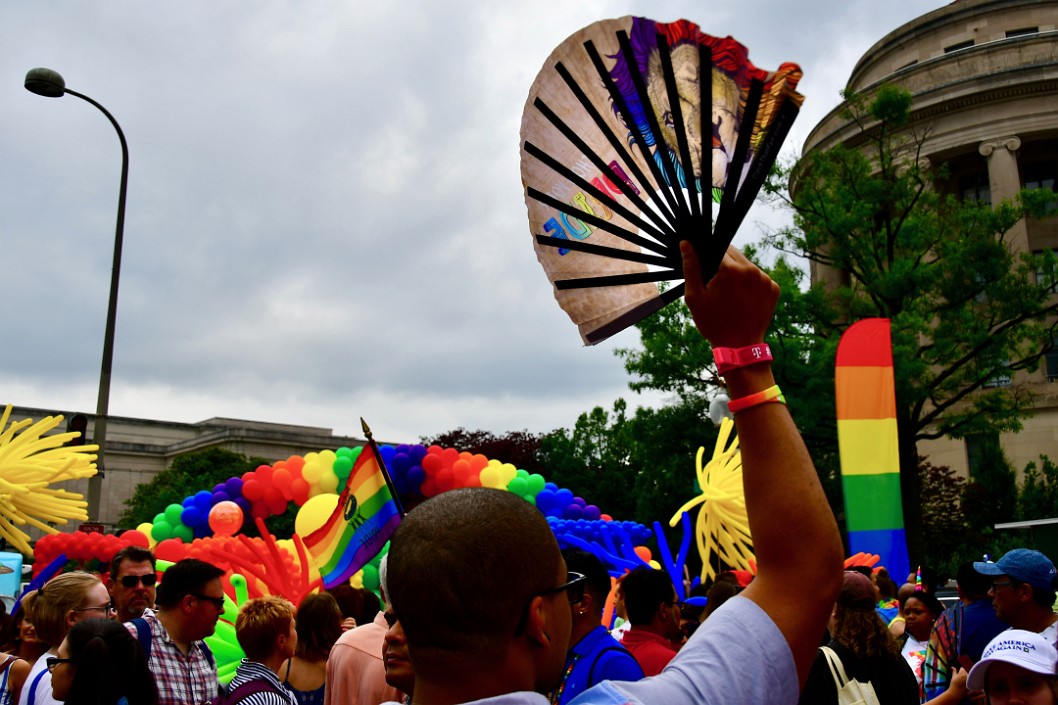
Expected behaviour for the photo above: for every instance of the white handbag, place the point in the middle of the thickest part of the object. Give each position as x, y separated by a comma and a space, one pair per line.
850, 692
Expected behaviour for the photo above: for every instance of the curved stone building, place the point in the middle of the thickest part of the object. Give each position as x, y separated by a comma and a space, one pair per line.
984, 77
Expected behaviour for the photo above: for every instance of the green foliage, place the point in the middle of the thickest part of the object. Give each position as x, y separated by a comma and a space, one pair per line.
1038, 495
639, 468
519, 448
188, 474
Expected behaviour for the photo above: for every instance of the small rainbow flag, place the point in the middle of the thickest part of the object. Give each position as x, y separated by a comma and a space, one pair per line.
365, 518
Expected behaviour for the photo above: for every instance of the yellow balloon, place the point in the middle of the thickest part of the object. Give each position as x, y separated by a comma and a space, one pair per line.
145, 529
314, 513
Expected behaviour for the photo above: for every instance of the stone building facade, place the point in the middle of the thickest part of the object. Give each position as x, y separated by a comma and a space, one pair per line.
984, 80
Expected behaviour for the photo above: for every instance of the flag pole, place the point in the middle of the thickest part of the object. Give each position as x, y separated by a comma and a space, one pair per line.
382, 466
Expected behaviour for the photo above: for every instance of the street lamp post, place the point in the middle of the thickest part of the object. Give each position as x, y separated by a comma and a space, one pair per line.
50, 84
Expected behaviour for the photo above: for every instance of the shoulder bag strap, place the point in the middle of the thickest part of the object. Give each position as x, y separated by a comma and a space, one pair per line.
837, 670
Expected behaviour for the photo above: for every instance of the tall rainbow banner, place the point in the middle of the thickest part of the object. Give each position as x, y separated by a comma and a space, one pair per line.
868, 444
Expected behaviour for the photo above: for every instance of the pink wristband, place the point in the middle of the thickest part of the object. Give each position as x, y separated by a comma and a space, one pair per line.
769, 395
728, 359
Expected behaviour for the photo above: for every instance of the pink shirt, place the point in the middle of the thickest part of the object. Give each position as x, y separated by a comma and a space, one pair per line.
355, 672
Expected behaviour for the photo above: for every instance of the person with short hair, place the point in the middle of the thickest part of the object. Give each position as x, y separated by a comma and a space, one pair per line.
267, 634
1017, 666
100, 663
190, 600
131, 582
399, 672
653, 609
483, 594
962, 630
594, 656
59, 604
1023, 591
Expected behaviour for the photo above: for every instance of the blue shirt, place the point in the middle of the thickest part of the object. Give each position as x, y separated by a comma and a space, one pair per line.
595, 658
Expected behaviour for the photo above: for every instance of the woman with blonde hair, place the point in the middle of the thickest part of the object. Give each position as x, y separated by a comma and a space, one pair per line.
59, 604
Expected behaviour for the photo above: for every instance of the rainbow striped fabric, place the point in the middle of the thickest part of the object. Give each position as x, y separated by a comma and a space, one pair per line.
868, 443
363, 520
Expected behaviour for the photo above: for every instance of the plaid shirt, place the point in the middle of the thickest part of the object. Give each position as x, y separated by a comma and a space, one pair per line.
189, 679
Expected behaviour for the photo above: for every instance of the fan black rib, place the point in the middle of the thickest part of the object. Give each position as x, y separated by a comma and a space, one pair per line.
563, 170
761, 165
617, 279
673, 191
626, 235
603, 250
676, 108
635, 315
602, 166
705, 96
640, 141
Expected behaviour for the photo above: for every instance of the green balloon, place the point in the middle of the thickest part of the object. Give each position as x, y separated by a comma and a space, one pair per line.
173, 512
344, 452
162, 530
342, 467
184, 533
536, 483
518, 486
371, 580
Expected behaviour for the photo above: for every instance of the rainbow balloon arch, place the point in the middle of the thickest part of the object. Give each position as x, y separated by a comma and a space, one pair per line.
208, 524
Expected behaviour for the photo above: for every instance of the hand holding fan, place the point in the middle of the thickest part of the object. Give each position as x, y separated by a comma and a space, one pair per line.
615, 166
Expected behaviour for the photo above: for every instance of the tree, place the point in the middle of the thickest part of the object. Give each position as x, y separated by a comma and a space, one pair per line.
519, 448
1038, 495
965, 310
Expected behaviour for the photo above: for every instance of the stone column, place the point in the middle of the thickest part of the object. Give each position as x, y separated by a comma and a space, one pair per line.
1004, 180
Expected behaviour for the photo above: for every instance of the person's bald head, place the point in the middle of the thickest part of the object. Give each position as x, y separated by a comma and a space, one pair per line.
463, 568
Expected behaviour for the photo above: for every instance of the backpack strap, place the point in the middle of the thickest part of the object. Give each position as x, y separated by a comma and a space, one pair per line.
208, 654
591, 671
247, 689
143, 634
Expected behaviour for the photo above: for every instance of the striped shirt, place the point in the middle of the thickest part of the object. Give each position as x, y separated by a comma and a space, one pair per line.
254, 671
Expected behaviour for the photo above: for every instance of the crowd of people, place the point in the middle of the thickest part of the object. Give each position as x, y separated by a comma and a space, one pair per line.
480, 604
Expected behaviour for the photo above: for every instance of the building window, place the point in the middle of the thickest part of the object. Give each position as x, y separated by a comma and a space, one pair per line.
1041, 175
960, 46
980, 448
1051, 359
1011, 33
1000, 376
975, 187
1046, 273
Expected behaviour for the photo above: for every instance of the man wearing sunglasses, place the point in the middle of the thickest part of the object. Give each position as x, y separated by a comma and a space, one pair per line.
132, 581
483, 593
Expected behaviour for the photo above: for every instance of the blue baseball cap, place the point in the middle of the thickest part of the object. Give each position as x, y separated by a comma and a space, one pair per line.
1024, 565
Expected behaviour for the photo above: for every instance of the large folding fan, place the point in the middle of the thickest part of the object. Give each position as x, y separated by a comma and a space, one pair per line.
615, 167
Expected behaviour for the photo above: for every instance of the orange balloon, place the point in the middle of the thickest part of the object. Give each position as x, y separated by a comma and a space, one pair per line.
225, 518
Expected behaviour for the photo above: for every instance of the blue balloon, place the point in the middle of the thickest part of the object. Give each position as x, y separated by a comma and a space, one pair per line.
191, 516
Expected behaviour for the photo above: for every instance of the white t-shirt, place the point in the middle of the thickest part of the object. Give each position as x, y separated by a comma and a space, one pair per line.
914, 652
42, 694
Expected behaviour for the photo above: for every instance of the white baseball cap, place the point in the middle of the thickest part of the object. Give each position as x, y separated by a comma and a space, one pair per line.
1019, 647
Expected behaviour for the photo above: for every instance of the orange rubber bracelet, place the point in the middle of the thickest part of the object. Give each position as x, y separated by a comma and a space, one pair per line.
769, 395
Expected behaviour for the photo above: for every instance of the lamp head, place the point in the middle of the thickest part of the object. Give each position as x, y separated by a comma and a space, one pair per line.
45, 82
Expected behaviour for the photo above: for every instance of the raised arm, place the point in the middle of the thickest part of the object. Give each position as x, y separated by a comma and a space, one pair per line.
795, 537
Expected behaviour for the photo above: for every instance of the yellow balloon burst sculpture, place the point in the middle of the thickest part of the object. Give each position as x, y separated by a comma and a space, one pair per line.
722, 526
29, 463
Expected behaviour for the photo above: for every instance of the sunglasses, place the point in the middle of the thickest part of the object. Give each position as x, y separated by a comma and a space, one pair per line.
131, 581
51, 662
217, 602
573, 587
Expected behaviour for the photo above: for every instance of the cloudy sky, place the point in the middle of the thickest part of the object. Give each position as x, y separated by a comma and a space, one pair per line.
325, 216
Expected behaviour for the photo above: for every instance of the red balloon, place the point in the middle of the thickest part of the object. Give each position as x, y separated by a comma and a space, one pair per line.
225, 518
431, 463
171, 550
252, 490
281, 478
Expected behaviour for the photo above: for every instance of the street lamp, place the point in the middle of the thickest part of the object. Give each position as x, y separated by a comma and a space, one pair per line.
50, 84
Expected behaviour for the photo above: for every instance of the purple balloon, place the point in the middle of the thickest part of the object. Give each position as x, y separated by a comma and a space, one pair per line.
580, 501
220, 496
234, 487
401, 462
592, 513
417, 453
